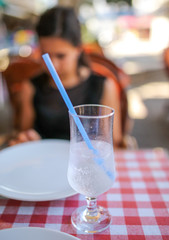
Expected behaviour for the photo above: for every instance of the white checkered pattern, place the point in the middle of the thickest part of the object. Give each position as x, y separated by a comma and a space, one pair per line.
138, 202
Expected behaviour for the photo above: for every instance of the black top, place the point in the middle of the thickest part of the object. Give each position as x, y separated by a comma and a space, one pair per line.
52, 119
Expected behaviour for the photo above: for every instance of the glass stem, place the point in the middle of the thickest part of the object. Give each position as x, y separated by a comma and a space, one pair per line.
91, 214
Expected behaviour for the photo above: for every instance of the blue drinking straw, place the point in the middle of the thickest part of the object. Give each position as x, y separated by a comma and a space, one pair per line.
65, 97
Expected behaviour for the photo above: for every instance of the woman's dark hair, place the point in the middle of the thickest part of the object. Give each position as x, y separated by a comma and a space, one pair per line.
60, 22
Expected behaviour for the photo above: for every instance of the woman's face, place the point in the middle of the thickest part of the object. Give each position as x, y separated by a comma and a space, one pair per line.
62, 53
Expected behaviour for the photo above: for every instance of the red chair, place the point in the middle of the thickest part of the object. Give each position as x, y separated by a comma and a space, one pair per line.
166, 59
21, 69
107, 68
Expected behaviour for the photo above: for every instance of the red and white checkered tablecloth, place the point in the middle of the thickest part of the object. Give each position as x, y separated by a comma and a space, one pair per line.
138, 202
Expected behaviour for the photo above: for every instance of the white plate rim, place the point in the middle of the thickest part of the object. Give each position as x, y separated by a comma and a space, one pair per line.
24, 230
35, 197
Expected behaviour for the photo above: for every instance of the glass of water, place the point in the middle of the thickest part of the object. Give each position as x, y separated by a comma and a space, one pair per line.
91, 172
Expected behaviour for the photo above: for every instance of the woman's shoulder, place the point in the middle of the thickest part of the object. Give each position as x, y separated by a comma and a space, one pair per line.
87, 73
96, 76
97, 81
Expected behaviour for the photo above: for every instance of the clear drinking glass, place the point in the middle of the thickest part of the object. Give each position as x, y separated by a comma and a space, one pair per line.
91, 173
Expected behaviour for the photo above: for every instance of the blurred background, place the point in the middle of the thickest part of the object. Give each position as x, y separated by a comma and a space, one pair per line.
133, 33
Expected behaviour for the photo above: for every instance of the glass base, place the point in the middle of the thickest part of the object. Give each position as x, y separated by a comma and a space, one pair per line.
91, 224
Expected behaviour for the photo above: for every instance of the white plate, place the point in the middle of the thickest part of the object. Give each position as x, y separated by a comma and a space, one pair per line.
35, 171
34, 233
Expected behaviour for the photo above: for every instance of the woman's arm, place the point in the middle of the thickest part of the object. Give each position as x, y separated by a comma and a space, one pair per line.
26, 114
111, 98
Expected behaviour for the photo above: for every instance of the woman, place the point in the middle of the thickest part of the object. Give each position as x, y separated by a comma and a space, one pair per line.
43, 108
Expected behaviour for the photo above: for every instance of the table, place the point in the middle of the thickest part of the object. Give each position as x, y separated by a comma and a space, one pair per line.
138, 202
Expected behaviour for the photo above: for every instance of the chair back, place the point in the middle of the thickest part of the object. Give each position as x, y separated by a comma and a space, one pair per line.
104, 67
19, 70
166, 59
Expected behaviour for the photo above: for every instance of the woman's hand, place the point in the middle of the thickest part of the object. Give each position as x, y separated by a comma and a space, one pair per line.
25, 136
